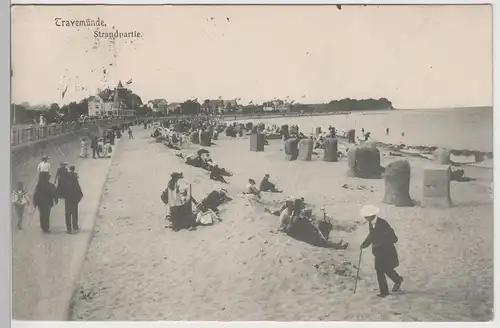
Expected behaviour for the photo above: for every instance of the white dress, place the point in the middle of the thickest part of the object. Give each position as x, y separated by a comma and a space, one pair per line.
83, 149
174, 198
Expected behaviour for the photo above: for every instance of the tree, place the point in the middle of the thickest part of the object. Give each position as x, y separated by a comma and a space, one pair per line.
55, 107
144, 110
190, 107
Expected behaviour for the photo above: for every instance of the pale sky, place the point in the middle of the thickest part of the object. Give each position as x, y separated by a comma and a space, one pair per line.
416, 56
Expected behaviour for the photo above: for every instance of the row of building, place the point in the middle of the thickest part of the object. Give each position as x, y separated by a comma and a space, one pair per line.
112, 103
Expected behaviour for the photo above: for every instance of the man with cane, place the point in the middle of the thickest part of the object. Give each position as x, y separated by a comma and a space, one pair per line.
382, 238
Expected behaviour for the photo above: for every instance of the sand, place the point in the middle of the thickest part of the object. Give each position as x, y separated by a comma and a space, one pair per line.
241, 269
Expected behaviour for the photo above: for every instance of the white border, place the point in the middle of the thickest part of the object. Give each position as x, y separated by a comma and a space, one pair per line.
5, 240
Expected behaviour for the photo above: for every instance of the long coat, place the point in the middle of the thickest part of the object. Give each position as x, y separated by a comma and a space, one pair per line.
73, 190
382, 239
45, 194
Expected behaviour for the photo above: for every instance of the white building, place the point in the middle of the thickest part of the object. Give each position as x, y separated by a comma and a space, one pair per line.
158, 105
98, 106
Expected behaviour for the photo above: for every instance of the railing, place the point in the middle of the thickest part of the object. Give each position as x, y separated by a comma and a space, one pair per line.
23, 135
20, 136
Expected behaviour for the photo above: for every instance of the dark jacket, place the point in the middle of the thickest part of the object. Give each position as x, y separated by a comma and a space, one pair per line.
93, 144
266, 185
73, 190
382, 239
45, 194
61, 178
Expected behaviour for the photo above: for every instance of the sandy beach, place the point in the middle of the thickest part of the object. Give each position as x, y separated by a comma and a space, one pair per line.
242, 269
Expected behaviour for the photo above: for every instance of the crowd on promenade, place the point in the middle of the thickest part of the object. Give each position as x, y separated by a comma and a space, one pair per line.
48, 192
65, 185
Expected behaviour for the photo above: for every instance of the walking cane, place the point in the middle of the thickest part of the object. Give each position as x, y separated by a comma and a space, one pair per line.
32, 215
357, 273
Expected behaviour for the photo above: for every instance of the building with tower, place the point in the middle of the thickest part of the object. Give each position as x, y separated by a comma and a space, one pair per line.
113, 103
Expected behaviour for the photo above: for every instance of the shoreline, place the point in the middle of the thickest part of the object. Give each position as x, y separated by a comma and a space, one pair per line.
429, 150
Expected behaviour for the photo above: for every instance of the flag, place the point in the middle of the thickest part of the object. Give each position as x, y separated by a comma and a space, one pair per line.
64, 92
129, 82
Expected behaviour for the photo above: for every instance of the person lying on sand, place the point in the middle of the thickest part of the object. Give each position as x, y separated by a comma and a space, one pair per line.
266, 185
252, 189
212, 201
170, 145
216, 174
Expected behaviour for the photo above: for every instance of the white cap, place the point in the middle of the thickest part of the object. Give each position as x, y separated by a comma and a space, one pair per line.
368, 210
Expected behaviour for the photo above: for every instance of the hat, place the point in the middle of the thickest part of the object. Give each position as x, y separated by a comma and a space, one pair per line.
45, 157
368, 210
64, 163
176, 175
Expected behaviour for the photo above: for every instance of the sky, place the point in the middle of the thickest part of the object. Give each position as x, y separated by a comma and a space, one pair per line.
416, 56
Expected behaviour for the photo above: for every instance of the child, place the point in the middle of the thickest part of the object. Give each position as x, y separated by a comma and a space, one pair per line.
20, 200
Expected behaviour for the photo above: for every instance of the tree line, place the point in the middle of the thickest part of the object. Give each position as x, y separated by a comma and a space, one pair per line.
54, 113
72, 111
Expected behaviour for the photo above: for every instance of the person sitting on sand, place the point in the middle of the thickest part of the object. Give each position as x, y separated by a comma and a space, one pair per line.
252, 188
320, 143
156, 133
286, 216
302, 226
266, 185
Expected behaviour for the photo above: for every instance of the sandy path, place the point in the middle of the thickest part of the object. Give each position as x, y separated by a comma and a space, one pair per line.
240, 270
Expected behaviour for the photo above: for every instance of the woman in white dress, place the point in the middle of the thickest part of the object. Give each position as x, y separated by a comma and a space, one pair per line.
84, 148
106, 147
174, 193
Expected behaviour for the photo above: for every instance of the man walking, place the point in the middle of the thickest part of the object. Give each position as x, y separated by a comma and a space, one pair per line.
382, 238
45, 197
73, 196
130, 136
94, 146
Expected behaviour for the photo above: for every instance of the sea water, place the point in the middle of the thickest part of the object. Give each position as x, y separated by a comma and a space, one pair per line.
454, 128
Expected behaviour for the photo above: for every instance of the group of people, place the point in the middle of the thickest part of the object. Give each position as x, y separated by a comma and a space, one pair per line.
179, 210
102, 146
293, 213
265, 186
47, 195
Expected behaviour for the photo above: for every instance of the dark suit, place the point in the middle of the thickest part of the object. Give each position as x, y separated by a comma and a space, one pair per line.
382, 238
45, 197
72, 197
